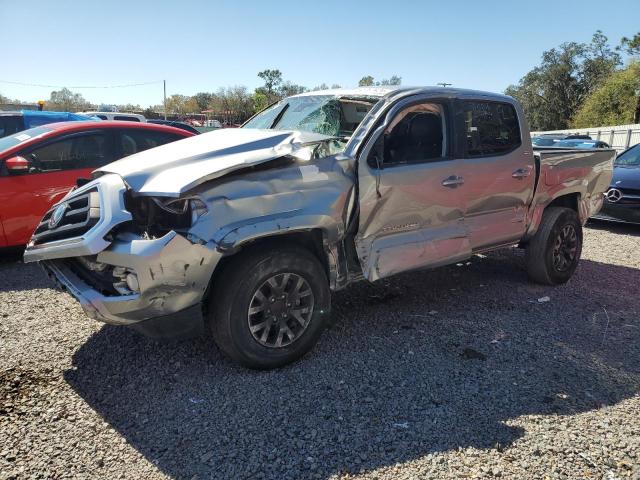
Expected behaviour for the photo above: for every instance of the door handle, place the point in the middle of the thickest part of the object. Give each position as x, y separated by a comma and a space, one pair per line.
521, 173
453, 181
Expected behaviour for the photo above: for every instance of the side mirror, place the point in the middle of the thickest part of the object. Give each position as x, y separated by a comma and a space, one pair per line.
17, 164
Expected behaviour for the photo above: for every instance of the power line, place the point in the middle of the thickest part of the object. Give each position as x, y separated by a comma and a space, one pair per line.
80, 86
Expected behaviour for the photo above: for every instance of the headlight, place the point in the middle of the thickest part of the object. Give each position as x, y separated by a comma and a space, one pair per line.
157, 215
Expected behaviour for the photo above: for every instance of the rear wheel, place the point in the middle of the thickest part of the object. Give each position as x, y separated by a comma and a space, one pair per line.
270, 306
553, 253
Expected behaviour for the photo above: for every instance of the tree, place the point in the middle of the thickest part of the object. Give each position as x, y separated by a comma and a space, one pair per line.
394, 80
66, 101
287, 89
614, 103
272, 80
366, 81
631, 45
369, 81
260, 101
552, 92
181, 105
203, 99
3, 99
234, 104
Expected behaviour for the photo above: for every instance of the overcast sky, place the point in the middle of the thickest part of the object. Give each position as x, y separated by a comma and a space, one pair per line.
203, 45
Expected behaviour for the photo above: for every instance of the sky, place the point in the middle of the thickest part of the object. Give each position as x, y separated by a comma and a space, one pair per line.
203, 45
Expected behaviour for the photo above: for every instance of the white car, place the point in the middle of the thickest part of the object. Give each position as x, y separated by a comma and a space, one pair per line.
129, 117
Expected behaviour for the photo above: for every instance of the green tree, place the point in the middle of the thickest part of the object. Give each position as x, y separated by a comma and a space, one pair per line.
181, 105
272, 80
366, 81
287, 89
66, 101
233, 104
613, 103
260, 101
203, 99
631, 45
552, 92
394, 80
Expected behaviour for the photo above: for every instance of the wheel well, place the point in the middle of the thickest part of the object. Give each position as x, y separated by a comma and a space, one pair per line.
568, 201
311, 240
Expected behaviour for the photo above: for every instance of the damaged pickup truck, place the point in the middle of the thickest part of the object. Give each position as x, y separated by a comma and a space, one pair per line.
245, 232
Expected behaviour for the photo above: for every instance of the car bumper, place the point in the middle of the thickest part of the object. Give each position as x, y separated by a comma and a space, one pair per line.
173, 275
619, 212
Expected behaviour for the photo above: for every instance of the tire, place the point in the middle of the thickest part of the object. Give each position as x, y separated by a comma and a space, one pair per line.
275, 272
553, 253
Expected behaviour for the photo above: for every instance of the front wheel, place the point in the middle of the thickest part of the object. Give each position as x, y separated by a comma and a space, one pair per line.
553, 253
270, 306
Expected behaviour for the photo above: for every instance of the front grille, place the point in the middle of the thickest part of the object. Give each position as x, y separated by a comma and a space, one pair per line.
81, 213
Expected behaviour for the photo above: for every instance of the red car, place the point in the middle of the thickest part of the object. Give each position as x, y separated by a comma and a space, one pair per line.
38, 166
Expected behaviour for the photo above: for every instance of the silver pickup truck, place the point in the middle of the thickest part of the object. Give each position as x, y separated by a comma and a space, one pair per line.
245, 232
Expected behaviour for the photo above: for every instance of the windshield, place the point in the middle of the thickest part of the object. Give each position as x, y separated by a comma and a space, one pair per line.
630, 158
325, 114
17, 138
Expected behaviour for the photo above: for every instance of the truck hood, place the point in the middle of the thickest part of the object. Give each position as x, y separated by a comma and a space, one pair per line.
177, 167
626, 177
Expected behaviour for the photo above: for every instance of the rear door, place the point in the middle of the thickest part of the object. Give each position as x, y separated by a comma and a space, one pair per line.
410, 192
54, 167
499, 171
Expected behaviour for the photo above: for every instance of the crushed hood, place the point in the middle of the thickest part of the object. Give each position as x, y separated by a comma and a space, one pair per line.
175, 168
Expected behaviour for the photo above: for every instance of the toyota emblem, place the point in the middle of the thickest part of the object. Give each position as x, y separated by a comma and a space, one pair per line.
613, 195
57, 215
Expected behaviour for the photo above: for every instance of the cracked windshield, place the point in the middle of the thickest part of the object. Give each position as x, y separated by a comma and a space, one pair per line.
324, 114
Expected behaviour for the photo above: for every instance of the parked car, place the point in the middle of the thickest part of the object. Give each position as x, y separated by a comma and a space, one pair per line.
247, 231
40, 165
173, 123
122, 116
581, 144
550, 139
622, 200
14, 122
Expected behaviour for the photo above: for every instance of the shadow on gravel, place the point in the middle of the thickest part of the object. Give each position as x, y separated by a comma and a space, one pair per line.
615, 227
15, 275
428, 362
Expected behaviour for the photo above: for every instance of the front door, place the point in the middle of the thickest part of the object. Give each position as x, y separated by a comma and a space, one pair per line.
54, 168
411, 192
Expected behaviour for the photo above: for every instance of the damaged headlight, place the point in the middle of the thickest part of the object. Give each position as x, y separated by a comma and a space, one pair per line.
157, 215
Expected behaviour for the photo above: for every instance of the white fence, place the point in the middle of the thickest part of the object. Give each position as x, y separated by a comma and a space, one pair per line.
619, 137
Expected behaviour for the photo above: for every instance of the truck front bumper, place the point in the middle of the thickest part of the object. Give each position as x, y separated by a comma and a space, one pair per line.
172, 275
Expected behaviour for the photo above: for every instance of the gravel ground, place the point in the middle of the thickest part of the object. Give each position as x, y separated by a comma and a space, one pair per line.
460, 372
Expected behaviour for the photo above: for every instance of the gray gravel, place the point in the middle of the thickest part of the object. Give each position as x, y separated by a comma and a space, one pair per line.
457, 372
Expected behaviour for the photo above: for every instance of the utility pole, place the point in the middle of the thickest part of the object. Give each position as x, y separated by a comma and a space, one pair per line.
164, 84
444, 84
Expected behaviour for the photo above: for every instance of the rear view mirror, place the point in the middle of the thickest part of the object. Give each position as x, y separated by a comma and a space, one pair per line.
17, 164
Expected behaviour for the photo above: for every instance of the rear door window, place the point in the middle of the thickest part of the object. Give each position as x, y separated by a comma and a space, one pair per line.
86, 150
132, 141
491, 128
